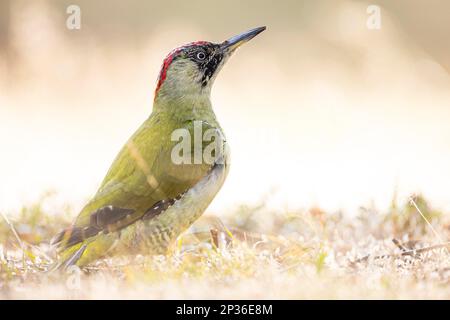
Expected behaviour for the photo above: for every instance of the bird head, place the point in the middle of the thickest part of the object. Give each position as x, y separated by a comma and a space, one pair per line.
192, 68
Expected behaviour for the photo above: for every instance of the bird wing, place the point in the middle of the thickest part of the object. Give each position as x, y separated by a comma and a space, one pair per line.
142, 181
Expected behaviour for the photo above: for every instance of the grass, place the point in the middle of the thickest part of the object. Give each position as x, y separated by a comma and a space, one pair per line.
252, 252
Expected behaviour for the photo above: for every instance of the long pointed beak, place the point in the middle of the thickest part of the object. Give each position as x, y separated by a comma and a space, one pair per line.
234, 42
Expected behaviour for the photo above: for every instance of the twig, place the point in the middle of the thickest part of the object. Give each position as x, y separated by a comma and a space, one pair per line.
399, 245
404, 253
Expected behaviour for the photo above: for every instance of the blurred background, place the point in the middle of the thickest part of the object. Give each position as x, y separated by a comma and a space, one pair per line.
319, 110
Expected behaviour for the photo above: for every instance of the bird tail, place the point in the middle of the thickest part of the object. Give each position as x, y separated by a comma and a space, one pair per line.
69, 252
69, 257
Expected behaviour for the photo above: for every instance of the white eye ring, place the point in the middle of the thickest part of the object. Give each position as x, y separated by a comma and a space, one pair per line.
201, 55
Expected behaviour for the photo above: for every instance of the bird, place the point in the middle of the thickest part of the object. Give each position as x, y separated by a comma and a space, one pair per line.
163, 178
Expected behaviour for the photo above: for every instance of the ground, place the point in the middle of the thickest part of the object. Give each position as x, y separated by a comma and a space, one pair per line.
251, 253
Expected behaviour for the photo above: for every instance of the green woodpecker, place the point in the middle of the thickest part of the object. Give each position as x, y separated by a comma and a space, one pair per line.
155, 189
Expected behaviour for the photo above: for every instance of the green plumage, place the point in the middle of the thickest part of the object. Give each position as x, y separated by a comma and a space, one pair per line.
142, 175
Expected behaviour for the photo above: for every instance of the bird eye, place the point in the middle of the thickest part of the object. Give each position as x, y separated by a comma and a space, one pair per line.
201, 55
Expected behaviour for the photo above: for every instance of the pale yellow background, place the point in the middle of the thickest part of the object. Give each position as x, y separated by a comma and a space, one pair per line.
318, 109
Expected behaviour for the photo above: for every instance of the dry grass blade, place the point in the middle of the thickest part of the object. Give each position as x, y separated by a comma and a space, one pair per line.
411, 199
13, 230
